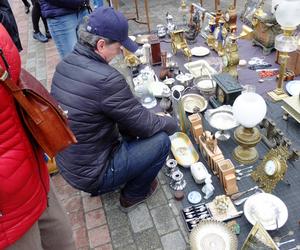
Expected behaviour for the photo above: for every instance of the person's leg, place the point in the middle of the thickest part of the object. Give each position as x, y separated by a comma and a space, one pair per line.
136, 164
63, 31
36, 14
30, 240
27, 6
55, 228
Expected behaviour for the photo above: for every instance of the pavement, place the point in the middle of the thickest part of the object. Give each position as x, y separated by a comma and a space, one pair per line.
97, 222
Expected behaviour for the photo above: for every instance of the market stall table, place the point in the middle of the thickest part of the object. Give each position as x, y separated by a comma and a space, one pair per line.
289, 193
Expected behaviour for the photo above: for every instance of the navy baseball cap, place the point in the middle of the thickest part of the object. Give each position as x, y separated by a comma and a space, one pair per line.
112, 24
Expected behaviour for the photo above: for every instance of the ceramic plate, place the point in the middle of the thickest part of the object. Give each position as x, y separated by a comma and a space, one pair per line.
266, 208
200, 51
191, 101
169, 81
212, 235
293, 87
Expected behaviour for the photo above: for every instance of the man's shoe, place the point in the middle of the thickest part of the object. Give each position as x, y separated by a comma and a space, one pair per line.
40, 37
126, 205
48, 35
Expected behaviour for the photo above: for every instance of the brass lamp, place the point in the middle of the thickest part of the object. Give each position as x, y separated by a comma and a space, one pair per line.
249, 109
287, 15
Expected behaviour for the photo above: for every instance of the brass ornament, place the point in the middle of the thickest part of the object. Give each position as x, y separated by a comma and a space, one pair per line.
272, 169
178, 42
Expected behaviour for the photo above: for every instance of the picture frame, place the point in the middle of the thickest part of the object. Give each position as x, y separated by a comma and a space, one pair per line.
259, 239
205, 24
249, 10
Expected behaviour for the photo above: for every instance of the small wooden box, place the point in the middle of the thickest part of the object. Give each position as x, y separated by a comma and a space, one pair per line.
155, 50
293, 63
225, 167
230, 186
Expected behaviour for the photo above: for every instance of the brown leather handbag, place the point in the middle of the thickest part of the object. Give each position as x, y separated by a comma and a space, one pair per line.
41, 114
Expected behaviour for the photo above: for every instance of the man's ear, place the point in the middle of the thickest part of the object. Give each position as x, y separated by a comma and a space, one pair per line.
100, 45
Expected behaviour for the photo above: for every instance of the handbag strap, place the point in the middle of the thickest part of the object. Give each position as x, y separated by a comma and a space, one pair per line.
19, 95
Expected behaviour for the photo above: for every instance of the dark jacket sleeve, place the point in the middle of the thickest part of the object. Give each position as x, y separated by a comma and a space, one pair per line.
69, 4
8, 20
121, 106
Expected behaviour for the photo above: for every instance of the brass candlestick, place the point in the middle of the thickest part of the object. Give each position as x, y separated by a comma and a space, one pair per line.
278, 93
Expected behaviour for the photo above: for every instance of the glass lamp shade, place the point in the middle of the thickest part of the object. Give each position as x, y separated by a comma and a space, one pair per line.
249, 109
274, 5
286, 43
287, 13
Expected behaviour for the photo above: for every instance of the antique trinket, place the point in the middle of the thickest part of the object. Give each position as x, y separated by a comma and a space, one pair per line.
230, 17
272, 169
194, 24
265, 30
165, 71
231, 57
155, 50
177, 182
171, 167
179, 43
170, 25
227, 90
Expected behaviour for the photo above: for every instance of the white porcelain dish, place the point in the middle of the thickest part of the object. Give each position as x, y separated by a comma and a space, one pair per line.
200, 51
266, 208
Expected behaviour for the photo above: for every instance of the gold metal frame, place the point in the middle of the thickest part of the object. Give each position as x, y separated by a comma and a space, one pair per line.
258, 233
268, 182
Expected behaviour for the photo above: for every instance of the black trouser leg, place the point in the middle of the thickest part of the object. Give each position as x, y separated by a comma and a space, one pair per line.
25, 2
36, 14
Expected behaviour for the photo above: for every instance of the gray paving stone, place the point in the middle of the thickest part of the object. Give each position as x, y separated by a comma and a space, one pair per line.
164, 219
183, 228
128, 247
173, 241
147, 240
167, 191
175, 206
140, 218
161, 177
121, 236
111, 200
158, 199
116, 218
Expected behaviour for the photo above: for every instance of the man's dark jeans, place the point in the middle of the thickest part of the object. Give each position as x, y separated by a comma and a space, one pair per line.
136, 164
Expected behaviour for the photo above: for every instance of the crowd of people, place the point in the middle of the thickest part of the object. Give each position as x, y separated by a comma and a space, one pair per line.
120, 144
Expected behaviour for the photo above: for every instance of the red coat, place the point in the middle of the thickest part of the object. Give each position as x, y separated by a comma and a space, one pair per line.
24, 183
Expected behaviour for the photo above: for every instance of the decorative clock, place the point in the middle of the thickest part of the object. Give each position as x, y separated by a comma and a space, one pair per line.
227, 90
272, 169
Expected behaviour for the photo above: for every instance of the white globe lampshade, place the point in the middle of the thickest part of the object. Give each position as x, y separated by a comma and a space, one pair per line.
274, 5
249, 109
287, 13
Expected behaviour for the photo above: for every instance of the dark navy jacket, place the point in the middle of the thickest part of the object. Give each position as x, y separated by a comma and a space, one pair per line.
99, 101
55, 8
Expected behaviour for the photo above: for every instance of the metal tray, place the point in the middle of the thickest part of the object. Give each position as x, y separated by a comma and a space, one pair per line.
191, 101
221, 118
183, 149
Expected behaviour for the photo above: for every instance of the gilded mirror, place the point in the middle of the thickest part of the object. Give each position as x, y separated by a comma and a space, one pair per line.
259, 239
